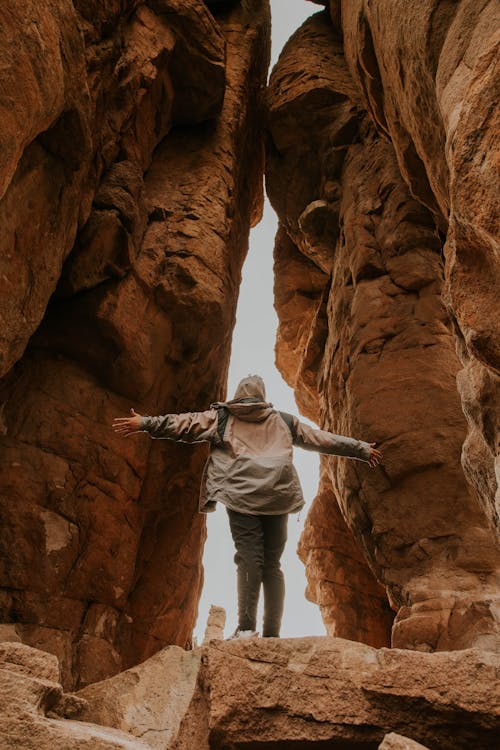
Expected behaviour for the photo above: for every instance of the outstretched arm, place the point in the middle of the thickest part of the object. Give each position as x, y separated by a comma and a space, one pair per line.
322, 441
190, 427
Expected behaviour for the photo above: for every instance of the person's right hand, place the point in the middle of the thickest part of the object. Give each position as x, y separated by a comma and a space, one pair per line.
375, 456
128, 425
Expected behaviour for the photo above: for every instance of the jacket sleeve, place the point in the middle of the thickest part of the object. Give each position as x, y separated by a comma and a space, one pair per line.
191, 427
326, 442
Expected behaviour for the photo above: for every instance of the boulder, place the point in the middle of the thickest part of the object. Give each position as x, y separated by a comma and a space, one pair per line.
148, 701
29, 689
331, 692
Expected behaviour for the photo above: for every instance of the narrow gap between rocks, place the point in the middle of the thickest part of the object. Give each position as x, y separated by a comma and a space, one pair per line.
253, 352
254, 339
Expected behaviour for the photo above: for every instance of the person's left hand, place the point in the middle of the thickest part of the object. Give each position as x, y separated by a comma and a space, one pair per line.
375, 456
128, 425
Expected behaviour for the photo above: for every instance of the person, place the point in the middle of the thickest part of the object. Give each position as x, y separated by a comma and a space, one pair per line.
250, 471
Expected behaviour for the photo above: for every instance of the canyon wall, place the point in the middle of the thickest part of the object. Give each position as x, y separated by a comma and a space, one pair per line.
381, 167
130, 172
131, 160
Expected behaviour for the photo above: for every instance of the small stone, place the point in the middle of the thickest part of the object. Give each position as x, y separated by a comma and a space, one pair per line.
215, 624
393, 741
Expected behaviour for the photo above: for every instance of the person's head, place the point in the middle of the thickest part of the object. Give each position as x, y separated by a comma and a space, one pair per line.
251, 387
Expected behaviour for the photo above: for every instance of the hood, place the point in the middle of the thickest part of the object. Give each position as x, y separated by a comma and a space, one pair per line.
250, 387
249, 402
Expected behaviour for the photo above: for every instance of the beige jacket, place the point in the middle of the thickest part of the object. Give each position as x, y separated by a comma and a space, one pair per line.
251, 470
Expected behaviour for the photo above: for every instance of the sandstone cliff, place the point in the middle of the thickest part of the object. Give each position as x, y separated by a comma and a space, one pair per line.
382, 170
130, 172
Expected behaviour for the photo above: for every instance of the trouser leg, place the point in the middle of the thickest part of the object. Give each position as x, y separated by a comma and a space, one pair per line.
275, 535
248, 540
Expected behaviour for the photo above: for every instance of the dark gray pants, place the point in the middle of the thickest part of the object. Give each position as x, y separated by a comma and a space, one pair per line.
259, 542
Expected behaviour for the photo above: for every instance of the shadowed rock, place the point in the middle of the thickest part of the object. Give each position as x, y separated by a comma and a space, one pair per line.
131, 172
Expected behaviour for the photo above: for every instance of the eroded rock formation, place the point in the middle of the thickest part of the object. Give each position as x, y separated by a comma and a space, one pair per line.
272, 693
377, 111
130, 173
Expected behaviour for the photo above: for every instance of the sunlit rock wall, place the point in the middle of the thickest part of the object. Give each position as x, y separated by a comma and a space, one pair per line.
384, 262
130, 172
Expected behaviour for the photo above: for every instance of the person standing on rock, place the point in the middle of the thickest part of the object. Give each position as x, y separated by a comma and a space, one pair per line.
250, 471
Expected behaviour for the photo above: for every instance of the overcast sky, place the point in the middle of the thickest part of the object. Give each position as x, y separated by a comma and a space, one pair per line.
253, 352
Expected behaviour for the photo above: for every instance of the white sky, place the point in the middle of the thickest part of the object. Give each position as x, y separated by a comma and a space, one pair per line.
253, 352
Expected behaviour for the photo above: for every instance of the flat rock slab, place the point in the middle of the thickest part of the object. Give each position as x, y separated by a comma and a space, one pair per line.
267, 693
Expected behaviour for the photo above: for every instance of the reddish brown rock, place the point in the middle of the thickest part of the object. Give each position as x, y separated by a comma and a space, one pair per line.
383, 362
129, 175
329, 692
353, 604
100, 559
45, 116
79, 109
299, 293
148, 701
29, 690
428, 76
268, 692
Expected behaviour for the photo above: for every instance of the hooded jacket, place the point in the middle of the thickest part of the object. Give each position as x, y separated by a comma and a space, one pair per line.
250, 468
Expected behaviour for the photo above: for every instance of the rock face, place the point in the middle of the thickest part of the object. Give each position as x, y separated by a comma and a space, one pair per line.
352, 602
376, 112
130, 173
428, 77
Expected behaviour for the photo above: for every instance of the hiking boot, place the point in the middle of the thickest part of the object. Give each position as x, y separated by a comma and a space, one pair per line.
242, 635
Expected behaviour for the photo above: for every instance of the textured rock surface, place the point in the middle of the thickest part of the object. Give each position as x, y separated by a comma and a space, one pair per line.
29, 690
365, 338
215, 624
327, 692
130, 165
59, 137
148, 701
272, 693
130, 173
429, 77
353, 604
393, 741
